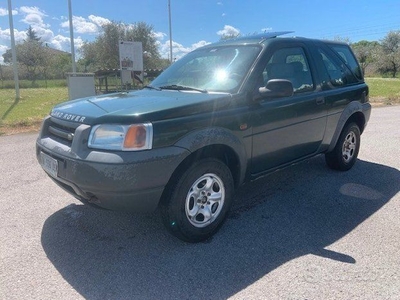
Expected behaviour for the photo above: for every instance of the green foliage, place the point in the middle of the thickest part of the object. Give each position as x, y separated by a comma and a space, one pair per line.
31, 55
103, 52
36, 61
31, 34
390, 58
366, 52
7, 56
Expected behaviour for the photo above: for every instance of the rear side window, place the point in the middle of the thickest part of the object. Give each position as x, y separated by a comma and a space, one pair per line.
348, 58
337, 73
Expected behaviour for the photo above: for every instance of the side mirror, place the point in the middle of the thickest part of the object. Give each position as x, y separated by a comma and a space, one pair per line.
277, 88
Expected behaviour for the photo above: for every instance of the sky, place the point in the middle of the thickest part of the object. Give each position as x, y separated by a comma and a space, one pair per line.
199, 22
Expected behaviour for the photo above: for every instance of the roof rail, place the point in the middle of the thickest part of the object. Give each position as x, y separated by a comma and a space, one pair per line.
262, 36
269, 35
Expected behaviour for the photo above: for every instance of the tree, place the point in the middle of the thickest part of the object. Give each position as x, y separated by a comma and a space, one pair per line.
390, 58
342, 39
37, 60
88, 56
366, 53
7, 56
142, 32
103, 52
32, 55
57, 63
1, 76
32, 34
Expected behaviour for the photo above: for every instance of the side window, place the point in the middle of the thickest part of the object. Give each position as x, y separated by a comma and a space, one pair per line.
290, 64
348, 58
338, 73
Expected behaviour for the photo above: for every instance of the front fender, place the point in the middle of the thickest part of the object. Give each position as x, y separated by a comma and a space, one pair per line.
212, 136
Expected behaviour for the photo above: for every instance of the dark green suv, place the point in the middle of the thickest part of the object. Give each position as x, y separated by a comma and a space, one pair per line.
223, 115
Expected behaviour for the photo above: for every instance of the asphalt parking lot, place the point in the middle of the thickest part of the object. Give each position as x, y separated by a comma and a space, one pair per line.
305, 232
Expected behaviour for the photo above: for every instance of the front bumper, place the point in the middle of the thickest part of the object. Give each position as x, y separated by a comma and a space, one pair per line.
128, 181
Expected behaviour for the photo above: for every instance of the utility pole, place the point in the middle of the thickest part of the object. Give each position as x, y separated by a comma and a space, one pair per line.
170, 32
13, 51
71, 34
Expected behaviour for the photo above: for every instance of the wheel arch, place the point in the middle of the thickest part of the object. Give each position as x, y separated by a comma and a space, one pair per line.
216, 143
352, 113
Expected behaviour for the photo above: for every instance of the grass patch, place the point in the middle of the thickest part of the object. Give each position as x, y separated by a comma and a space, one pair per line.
384, 91
30, 109
27, 84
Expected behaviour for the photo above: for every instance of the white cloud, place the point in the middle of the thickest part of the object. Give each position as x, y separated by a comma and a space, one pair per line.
60, 42
99, 21
32, 19
45, 34
4, 12
18, 35
32, 10
33, 16
199, 44
178, 50
91, 25
159, 35
228, 31
63, 43
78, 42
81, 25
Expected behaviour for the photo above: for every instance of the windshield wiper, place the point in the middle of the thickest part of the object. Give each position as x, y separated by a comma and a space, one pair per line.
152, 87
182, 88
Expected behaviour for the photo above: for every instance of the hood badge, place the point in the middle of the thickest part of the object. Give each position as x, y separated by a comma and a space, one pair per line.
67, 117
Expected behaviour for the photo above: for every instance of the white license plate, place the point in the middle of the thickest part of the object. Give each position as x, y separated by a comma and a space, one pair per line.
49, 164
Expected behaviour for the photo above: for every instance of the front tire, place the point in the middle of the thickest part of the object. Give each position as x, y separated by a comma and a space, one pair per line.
199, 201
345, 153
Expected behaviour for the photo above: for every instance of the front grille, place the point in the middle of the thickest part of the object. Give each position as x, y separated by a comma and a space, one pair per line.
62, 131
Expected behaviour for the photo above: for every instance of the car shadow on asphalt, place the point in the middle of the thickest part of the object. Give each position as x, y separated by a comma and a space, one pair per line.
293, 212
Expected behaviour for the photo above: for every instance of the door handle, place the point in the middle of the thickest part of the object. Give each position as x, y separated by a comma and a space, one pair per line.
320, 100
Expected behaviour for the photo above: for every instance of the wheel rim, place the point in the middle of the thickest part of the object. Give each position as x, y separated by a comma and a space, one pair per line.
349, 146
205, 200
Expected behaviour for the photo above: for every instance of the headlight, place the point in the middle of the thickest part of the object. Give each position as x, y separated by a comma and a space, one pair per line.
121, 137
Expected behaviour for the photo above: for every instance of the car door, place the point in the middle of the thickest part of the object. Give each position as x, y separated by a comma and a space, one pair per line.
288, 128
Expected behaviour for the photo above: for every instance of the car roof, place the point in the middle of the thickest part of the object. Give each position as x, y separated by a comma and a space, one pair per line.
263, 37
251, 39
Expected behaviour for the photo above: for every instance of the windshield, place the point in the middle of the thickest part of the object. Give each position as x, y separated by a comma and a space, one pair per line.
219, 69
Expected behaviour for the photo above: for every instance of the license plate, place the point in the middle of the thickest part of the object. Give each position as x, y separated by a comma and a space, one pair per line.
49, 164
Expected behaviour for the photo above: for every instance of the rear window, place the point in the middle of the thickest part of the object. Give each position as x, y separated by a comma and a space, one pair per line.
348, 58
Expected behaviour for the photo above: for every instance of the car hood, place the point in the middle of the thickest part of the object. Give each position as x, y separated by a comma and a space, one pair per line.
139, 106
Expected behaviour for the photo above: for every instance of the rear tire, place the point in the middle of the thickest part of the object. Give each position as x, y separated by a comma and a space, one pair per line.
345, 153
199, 201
